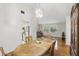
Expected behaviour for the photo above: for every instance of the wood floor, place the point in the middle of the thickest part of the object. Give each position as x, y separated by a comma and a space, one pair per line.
63, 49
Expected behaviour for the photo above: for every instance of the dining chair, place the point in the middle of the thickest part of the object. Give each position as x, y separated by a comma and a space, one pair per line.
2, 51
6, 54
50, 51
28, 38
52, 48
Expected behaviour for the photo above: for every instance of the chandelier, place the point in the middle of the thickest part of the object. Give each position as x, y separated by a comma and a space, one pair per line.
39, 12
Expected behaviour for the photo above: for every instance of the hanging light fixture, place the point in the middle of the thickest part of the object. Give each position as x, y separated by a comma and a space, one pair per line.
39, 12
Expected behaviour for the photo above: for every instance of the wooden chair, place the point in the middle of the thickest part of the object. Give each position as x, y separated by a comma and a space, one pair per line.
6, 54
50, 52
2, 51
28, 39
52, 48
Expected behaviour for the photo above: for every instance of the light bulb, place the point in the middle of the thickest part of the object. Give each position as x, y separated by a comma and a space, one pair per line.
39, 13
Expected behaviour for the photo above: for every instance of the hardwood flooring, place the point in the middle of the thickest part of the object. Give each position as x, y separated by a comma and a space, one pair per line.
63, 49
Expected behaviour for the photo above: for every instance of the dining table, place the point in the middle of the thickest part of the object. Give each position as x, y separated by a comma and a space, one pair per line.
33, 48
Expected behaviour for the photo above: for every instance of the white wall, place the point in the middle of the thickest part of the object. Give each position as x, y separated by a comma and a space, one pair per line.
29, 16
68, 30
11, 23
60, 27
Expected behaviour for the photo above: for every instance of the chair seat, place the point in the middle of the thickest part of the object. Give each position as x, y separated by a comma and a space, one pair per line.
9, 54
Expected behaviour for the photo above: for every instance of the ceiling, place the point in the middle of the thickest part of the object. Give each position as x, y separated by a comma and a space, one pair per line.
53, 12
56, 12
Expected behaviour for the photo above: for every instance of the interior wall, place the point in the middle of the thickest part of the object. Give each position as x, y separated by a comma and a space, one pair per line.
60, 27
68, 30
11, 23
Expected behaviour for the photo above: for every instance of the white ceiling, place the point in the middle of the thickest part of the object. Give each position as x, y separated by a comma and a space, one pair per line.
53, 12
56, 11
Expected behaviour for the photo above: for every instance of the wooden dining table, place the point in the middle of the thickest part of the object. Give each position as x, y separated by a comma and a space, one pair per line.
34, 48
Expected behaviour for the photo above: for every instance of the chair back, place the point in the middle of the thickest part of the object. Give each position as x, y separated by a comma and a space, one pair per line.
2, 51
52, 48
28, 39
